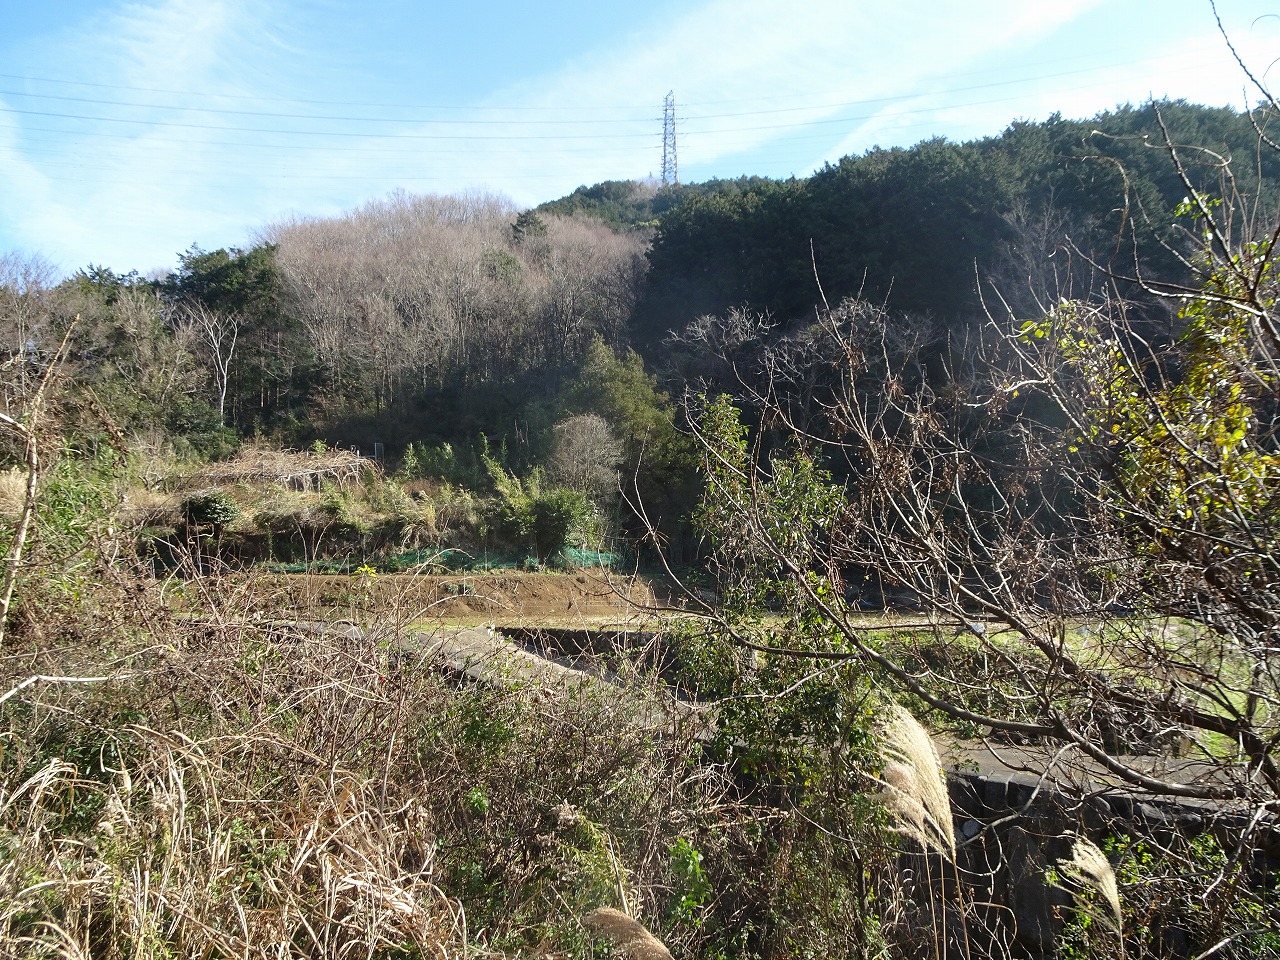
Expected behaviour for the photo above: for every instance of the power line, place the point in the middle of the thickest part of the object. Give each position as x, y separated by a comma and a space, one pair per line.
827, 100
585, 138
321, 133
349, 148
358, 152
326, 103
301, 116
65, 141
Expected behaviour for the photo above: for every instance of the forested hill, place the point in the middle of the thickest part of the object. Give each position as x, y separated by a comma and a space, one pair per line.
628, 204
463, 320
918, 227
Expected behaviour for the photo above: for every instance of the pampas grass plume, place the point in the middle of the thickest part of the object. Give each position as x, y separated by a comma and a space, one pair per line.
13, 491
1088, 866
629, 936
914, 784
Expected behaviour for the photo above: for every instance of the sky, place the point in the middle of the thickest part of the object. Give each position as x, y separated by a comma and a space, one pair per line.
130, 131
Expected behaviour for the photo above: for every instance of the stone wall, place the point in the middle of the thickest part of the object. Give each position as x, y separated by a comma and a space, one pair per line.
1013, 829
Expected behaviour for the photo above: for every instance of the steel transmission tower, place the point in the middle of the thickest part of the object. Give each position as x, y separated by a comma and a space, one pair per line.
670, 170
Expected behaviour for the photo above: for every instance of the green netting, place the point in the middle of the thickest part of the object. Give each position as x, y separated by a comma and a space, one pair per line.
575, 557
450, 560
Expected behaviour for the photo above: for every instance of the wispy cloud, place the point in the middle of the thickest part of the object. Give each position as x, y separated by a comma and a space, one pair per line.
105, 181
743, 71
214, 117
180, 43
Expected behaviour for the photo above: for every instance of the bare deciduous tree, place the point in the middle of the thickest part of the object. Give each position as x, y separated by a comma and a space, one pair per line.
24, 427
585, 455
420, 291
217, 334
25, 282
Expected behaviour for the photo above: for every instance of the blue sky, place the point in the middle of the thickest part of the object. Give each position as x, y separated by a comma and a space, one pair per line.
129, 131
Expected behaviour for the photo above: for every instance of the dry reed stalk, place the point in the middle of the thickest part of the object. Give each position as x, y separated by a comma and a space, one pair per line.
914, 784
629, 936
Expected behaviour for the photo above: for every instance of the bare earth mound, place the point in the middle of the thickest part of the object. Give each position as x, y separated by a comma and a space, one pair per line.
577, 599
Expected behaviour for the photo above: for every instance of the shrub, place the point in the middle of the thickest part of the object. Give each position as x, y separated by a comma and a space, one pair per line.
525, 515
585, 455
210, 508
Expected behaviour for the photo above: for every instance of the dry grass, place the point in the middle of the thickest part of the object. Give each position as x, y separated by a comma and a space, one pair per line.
629, 936
143, 506
232, 788
289, 469
13, 491
180, 861
296, 507
182, 804
915, 787
1090, 869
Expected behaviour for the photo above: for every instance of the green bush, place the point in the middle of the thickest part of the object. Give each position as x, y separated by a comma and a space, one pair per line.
554, 516
463, 466
73, 527
210, 508
525, 515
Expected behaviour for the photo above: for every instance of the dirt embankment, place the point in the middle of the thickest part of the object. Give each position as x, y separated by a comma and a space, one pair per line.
575, 599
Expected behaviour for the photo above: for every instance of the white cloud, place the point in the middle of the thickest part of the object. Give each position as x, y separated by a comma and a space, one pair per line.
1076, 79
125, 192
730, 57
758, 91
175, 42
